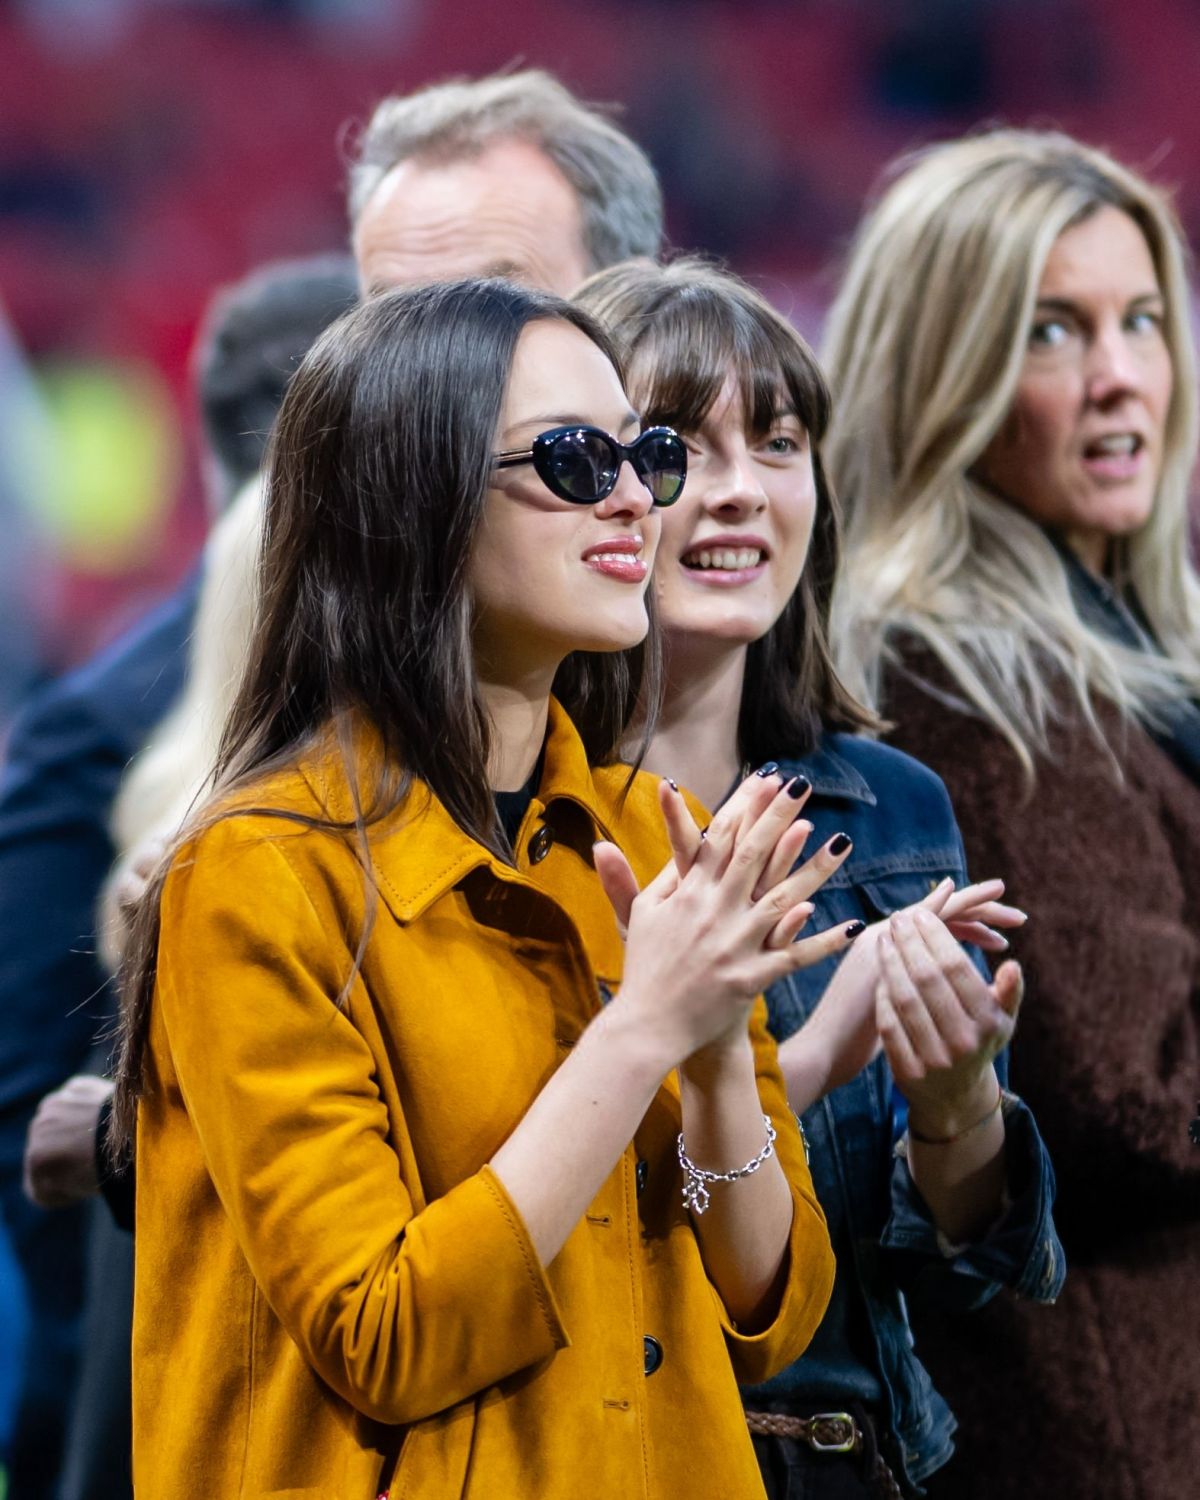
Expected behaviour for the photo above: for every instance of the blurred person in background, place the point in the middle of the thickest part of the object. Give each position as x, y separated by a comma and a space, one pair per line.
744, 573
27, 577
1013, 437
67, 754
508, 173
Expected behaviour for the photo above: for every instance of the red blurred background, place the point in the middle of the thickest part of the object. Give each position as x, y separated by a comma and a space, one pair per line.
150, 152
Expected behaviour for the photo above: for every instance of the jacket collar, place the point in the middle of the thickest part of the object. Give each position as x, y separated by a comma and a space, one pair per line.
419, 852
832, 775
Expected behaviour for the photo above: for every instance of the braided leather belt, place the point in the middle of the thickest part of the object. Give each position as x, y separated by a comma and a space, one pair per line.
826, 1432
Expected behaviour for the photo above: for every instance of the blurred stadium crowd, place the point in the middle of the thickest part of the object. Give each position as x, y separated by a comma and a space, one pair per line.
154, 150
151, 150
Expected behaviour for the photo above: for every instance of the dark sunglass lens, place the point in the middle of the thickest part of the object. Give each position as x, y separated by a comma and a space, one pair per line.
582, 465
661, 465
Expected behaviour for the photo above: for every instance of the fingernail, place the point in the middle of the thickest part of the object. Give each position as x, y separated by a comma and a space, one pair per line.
852, 929
839, 843
797, 787
768, 770
672, 783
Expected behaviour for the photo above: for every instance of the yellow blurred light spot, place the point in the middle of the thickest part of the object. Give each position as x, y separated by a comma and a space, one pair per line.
115, 463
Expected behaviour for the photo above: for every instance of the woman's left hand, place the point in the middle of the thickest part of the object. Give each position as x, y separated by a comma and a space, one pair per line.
941, 1023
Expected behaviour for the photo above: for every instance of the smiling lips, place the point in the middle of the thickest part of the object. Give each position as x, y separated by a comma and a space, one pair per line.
618, 557
725, 560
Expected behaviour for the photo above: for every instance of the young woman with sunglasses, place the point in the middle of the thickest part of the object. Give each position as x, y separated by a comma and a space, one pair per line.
411, 1149
959, 1198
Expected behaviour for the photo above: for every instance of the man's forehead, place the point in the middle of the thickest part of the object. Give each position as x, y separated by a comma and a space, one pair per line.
506, 210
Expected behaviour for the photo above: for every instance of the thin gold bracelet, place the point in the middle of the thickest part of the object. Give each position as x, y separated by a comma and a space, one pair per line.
949, 1140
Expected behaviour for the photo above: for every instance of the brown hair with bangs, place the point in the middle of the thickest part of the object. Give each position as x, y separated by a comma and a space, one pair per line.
683, 330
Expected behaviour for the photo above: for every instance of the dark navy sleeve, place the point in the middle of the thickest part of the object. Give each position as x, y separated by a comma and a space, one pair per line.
1021, 1250
66, 756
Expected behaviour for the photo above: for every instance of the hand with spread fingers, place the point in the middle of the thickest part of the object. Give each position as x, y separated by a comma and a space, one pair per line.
719, 924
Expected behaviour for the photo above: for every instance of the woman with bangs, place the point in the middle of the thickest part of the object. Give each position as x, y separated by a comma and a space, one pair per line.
929, 1171
1014, 437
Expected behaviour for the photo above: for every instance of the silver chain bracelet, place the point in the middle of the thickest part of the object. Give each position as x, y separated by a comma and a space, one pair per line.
695, 1179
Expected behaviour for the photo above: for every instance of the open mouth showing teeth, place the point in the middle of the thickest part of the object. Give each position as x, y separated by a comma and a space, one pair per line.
1116, 445
728, 559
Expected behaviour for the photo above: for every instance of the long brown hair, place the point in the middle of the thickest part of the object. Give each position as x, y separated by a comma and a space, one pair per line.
378, 475
684, 330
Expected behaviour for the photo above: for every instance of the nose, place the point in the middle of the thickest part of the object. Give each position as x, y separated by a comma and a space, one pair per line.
629, 497
1113, 369
734, 490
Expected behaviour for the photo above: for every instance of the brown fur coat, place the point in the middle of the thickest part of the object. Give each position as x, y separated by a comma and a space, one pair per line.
1097, 1397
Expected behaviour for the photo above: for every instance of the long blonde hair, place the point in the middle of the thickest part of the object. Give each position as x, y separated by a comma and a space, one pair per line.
924, 348
171, 774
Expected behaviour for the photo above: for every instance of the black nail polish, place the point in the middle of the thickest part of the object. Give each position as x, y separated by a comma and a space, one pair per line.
672, 783
852, 929
768, 770
797, 787
839, 843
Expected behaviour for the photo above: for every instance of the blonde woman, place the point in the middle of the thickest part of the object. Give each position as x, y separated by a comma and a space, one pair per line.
1013, 435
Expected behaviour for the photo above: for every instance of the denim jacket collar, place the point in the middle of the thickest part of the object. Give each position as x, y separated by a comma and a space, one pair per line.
832, 775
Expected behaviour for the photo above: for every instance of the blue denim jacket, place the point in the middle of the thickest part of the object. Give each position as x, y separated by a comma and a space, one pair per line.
905, 841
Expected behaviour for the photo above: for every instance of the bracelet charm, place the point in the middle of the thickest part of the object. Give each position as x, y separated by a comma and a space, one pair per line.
696, 1180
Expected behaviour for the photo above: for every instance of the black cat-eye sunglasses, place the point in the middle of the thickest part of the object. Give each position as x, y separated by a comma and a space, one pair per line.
581, 464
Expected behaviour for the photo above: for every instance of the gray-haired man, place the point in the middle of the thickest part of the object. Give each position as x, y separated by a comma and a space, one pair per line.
508, 175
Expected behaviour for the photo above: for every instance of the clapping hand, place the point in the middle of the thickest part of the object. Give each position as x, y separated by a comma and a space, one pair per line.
843, 1034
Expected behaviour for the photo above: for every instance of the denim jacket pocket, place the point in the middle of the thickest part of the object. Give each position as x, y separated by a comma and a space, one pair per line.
890, 892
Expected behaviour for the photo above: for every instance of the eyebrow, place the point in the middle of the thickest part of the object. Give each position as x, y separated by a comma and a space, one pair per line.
568, 419
1065, 304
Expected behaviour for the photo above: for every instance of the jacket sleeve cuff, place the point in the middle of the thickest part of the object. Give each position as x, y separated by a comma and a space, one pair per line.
484, 1301
1020, 1249
806, 1281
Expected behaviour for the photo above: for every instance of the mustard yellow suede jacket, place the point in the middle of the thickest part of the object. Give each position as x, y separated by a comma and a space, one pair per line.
334, 1293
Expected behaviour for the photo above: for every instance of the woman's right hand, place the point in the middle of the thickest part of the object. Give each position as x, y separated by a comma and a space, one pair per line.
702, 944
842, 1036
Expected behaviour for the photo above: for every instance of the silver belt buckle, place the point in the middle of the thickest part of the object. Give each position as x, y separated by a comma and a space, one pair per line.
845, 1421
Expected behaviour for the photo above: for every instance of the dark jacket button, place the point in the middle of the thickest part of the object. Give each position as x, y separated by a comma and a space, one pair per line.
539, 845
652, 1354
643, 1173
